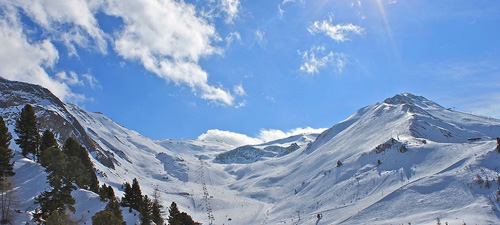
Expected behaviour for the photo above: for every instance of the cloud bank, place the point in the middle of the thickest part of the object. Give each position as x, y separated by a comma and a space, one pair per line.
265, 135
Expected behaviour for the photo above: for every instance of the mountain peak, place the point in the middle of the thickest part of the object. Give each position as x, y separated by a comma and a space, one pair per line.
405, 98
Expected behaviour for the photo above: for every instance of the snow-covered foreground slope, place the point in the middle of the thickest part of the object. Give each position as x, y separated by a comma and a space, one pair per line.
403, 160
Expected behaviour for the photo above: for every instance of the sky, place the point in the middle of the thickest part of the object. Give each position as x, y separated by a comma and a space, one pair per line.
252, 71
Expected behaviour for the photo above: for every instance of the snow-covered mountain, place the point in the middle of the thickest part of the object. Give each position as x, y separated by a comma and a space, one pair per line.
403, 160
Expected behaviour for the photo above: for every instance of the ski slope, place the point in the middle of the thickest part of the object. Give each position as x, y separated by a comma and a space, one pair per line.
404, 160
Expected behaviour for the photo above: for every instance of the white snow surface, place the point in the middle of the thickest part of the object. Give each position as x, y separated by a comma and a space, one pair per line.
435, 176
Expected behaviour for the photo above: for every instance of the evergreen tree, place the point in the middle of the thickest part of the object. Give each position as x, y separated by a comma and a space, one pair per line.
54, 160
178, 218
5, 135
145, 209
498, 144
6, 154
111, 193
136, 197
114, 207
127, 197
6, 167
59, 198
27, 131
48, 140
173, 213
103, 192
105, 217
57, 218
82, 170
156, 210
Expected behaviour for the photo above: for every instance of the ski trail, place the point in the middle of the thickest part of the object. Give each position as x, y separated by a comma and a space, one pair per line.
206, 195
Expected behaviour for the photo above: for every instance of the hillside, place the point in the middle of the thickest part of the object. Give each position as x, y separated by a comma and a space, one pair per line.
404, 160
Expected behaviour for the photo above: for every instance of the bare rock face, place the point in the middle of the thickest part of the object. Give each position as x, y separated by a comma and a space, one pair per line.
51, 113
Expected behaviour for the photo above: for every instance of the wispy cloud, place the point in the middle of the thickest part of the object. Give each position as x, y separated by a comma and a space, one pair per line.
285, 2
238, 90
337, 32
233, 36
231, 9
260, 35
317, 58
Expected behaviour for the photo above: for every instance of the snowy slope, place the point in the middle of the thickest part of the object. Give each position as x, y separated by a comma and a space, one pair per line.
434, 178
427, 168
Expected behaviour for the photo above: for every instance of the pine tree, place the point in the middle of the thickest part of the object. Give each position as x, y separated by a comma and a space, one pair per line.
156, 210
136, 196
59, 198
82, 171
498, 144
6, 166
48, 140
57, 218
133, 196
6, 154
105, 217
114, 207
111, 193
27, 131
173, 214
127, 197
146, 210
178, 218
103, 192
5, 135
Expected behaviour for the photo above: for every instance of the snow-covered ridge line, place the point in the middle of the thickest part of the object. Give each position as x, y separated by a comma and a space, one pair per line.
376, 182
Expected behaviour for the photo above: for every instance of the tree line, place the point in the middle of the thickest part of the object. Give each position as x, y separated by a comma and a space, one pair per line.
69, 167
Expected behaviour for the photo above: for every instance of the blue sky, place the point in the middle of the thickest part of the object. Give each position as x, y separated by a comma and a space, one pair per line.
251, 71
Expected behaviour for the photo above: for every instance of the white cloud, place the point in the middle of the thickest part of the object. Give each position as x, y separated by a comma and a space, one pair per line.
229, 137
337, 32
70, 21
92, 81
282, 4
70, 78
265, 135
166, 36
241, 104
230, 8
238, 90
318, 58
168, 39
26, 60
232, 37
259, 34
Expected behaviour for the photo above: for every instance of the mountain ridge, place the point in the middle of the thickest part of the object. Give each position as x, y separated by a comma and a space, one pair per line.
374, 181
